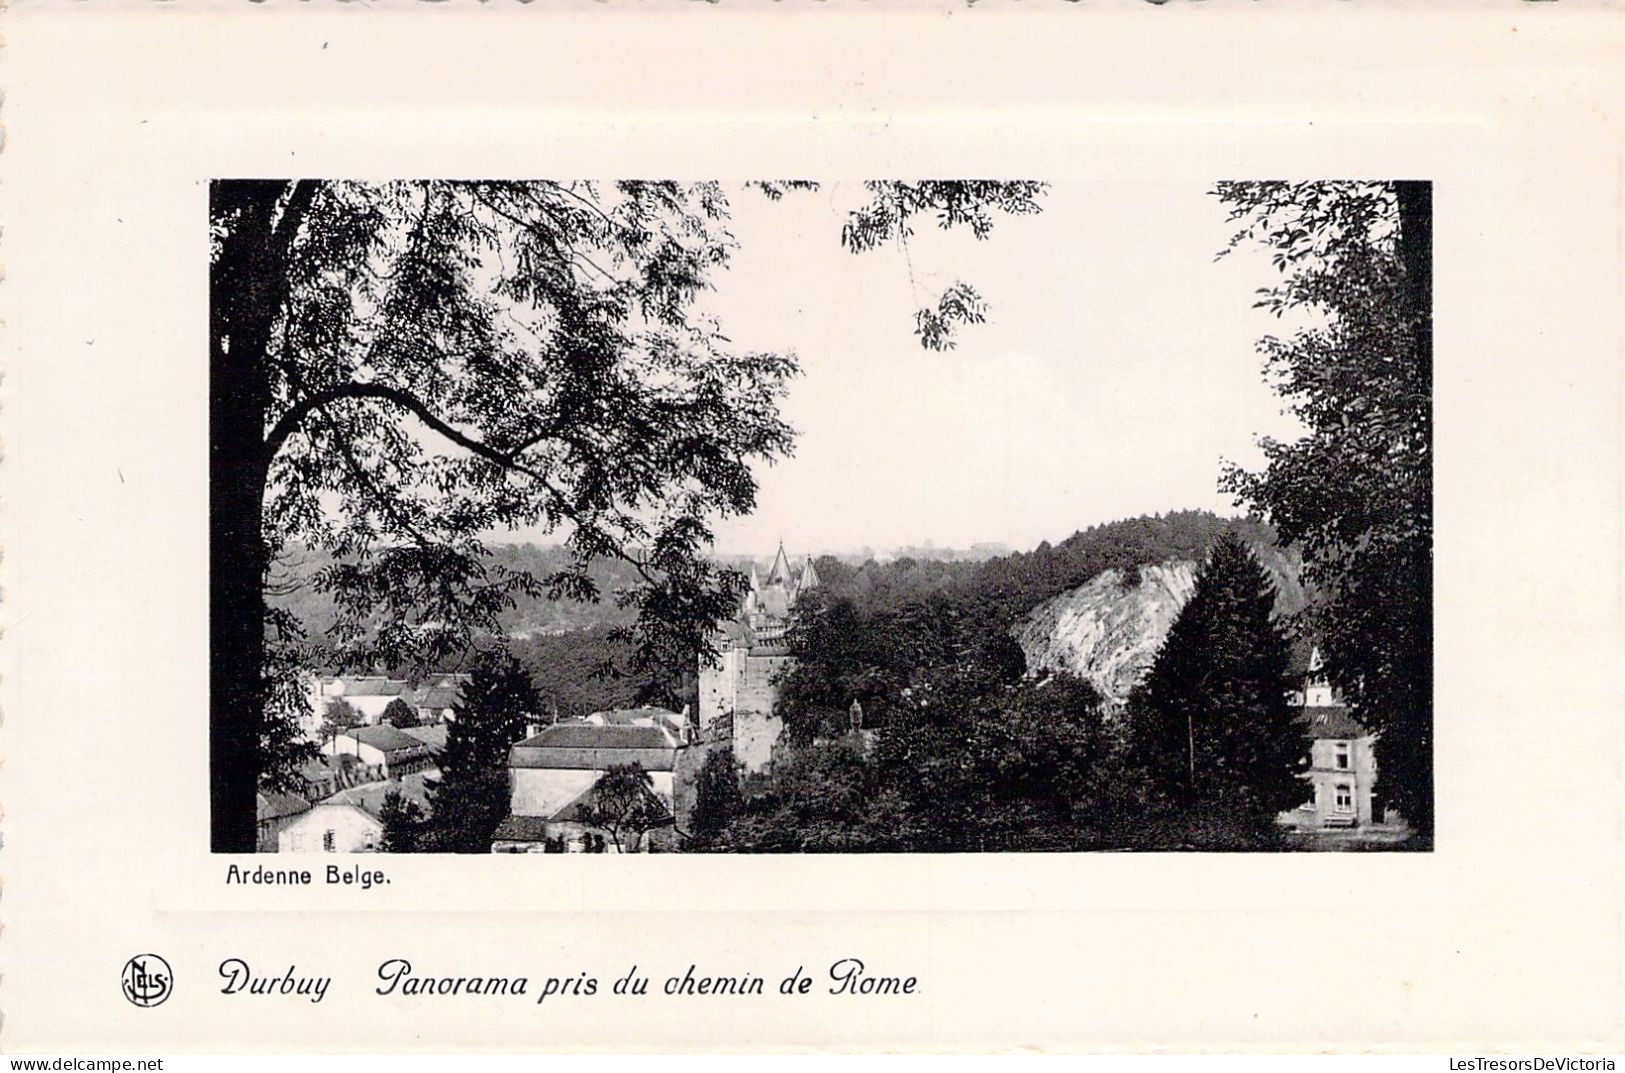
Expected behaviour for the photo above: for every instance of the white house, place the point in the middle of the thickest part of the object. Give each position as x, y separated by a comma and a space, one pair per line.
273, 811
369, 695
553, 773
433, 699
348, 822
394, 752
1342, 775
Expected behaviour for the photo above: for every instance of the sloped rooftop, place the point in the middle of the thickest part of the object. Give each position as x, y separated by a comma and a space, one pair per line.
594, 746
386, 738
1331, 723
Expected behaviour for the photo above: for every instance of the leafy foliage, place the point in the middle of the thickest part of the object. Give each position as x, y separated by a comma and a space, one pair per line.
817, 800
398, 713
891, 213
472, 795
1211, 725
571, 671
965, 767
1356, 492
623, 802
282, 739
398, 369
1022, 767
339, 715
964, 753
888, 661
541, 332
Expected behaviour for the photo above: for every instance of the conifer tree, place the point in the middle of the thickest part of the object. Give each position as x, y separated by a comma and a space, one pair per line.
403, 823
471, 798
1211, 722
717, 799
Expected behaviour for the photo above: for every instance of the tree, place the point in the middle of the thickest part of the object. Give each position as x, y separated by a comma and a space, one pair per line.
623, 802
403, 823
1211, 722
398, 369
339, 715
717, 799
287, 704
471, 798
1047, 761
816, 799
1356, 492
398, 713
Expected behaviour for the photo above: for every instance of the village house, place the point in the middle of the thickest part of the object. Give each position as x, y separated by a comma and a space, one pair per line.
1342, 775
434, 699
274, 811
432, 736
437, 703
394, 752
553, 773
327, 775
350, 820
369, 695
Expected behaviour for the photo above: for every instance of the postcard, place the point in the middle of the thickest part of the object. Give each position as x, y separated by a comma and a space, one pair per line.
791, 529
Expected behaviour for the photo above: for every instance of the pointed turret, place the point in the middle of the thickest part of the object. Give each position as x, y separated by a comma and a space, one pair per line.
809, 577
780, 574
755, 583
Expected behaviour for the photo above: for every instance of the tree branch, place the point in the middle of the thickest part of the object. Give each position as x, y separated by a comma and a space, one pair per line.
507, 460
550, 239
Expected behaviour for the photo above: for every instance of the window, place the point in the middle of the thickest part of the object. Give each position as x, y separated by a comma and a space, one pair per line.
1345, 797
328, 837
1341, 752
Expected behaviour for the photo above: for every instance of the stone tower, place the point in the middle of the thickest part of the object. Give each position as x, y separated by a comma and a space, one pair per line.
738, 693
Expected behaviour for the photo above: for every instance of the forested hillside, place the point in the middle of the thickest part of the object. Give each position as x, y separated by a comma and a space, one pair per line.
967, 749
1018, 582
565, 644
297, 588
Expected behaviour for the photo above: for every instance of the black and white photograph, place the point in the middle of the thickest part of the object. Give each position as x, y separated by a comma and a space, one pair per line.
692, 530
835, 516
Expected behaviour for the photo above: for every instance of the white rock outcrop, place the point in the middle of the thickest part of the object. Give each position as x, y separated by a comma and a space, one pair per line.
1105, 631
1108, 630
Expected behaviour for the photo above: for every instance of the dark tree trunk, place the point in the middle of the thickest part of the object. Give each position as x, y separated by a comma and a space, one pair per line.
236, 618
1416, 259
247, 285
1415, 738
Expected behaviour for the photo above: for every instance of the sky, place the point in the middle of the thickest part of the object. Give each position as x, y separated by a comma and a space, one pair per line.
1117, 369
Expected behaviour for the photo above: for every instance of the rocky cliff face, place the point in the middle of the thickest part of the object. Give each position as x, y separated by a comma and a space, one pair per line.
1108, 630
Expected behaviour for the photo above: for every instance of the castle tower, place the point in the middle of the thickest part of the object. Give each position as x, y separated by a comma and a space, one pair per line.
809, 578
742, 689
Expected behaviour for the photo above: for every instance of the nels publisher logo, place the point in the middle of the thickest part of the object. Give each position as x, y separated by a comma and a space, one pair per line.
147, 980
